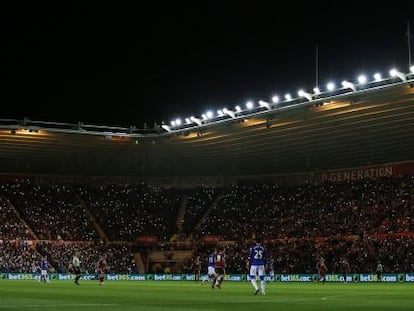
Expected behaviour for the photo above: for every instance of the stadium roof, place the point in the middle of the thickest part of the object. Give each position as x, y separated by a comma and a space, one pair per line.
368, 123
252, 110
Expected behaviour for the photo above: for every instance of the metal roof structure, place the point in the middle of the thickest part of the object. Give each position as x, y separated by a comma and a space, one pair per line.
356, 125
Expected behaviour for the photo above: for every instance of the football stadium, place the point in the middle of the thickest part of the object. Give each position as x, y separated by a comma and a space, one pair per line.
98, 217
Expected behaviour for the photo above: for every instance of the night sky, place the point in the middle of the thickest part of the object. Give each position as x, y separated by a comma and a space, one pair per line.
136, 64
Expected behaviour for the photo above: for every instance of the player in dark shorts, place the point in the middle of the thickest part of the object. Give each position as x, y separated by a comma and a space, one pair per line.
101, 270
76, 267
345, 269
219, 269
322, 270
378, 271
196, 268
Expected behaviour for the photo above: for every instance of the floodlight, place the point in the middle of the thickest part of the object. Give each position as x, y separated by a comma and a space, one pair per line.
264, 104
288, 97
348, 85
362, 79
302, 93
395, 73
166, 127
377, 76
275, 99
330, 86
249, 105
197, 120
316, 90
229, 113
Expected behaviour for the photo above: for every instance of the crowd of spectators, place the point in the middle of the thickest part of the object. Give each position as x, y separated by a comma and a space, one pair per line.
11, 225
18, 256
364, 221
127, 211
53, 211
368, 206
118, 257
198, 202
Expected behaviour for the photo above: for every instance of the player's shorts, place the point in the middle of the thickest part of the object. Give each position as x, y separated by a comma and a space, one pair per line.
210, 270
257, 270
220, 270
43, 272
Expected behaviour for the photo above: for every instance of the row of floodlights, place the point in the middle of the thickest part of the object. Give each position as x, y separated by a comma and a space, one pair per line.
362, 80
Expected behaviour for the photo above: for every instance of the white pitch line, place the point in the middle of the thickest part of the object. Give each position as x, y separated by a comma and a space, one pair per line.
58, 305
332, 297
266, 299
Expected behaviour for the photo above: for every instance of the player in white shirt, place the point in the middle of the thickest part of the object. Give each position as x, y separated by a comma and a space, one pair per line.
76, 267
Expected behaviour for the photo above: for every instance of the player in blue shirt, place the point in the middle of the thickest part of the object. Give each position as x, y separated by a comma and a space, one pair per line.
258, 257
44, 277
211, 261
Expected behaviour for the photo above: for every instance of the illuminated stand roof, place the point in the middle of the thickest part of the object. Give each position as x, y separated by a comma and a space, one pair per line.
261, 107
251, 109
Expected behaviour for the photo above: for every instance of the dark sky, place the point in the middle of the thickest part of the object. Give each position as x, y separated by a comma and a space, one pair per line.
136, 64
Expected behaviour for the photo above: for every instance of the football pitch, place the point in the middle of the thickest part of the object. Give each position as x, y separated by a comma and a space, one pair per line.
170, 295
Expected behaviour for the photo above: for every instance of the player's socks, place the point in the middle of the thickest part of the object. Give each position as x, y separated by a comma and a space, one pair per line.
256, 291
253, 281
263, 287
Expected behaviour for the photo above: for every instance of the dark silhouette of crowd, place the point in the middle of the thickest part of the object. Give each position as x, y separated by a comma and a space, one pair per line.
364, 221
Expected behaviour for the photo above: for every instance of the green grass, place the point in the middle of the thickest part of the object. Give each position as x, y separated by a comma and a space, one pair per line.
170, 295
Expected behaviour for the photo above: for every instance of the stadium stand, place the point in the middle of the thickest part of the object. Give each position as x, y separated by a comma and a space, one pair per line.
329, 177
